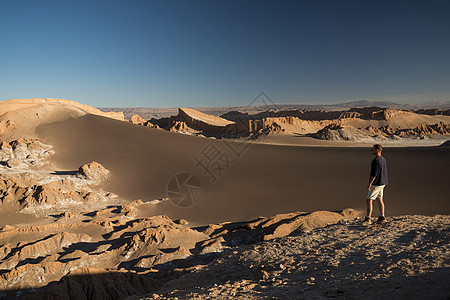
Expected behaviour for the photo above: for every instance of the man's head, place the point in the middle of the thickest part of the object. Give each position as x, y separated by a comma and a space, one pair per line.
376, 149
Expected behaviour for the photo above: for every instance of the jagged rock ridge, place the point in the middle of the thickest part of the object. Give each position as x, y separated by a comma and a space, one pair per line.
352, 125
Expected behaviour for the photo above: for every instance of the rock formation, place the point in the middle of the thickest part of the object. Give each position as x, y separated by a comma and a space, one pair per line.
22, 193
6, 126
335, 132
432, 111
120, 248
32, 192
94, 172
407, 258
425, 130
24, 153
355, 124
136, 119
192, 121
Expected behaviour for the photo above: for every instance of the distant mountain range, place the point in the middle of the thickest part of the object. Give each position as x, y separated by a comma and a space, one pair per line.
149, 112
367, 103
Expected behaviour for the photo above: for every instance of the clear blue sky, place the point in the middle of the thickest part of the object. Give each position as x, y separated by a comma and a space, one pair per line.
216, 53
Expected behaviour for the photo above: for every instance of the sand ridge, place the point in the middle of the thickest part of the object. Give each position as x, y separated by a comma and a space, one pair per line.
16, 104
27, 114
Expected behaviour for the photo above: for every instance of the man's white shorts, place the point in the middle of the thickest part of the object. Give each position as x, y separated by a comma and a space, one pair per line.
375, 192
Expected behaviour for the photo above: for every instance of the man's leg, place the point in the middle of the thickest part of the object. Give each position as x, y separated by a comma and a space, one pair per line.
369, 207
381, 205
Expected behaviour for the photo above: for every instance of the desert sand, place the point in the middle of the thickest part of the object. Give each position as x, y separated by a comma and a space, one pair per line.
266, 179
86, 212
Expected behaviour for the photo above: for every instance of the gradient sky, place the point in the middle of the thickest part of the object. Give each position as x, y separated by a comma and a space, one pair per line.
218, 53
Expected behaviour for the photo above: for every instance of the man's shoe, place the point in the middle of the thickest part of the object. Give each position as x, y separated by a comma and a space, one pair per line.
381, 219
366, 220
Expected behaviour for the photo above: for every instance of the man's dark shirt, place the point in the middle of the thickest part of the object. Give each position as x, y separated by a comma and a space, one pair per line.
378, 169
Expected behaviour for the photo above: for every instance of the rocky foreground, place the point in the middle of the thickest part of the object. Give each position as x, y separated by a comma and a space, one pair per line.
406, 258
108, 254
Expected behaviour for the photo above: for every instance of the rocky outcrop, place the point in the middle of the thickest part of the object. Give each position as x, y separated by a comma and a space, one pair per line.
408, 256
351, 125
24, 153
6, 127
93, 172
334, 132
181, 126
419, 131
366, 113
13, 163
49, 245
136, 119
137, 244
376, 113
303, 114
433, 111
198, 119
191, 121
255, 128
424, 129
23, 193
128, 252
151, 125
98, 283
276, 226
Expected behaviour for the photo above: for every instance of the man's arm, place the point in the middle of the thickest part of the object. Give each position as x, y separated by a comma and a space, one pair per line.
371, 180
374, 169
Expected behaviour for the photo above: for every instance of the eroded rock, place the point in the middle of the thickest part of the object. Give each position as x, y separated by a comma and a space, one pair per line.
13, 162
336, 131
152, 247
23, 193
138, 120
94, 172
6, 127
25, 153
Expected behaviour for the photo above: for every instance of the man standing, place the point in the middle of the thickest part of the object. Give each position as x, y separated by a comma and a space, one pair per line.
377, 181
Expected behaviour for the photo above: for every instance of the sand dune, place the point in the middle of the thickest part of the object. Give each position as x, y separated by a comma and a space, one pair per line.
18, 104
263, 180
27, 114
266, 179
